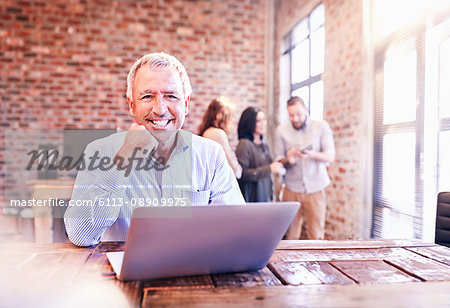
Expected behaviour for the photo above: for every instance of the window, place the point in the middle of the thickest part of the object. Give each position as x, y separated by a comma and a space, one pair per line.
303, 54
398, 139
444, 115
412, 118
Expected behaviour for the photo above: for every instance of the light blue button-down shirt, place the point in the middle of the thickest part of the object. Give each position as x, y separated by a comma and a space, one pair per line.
197, 173
305, 175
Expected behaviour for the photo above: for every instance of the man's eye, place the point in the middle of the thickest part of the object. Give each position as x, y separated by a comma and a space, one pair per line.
170, 96
148, 96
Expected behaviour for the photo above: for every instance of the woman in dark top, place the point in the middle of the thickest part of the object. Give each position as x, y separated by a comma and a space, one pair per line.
254, 156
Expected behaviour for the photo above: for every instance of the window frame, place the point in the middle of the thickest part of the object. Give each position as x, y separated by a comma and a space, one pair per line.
291, 44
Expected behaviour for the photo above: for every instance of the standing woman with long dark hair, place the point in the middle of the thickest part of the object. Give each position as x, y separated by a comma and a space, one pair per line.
254, 156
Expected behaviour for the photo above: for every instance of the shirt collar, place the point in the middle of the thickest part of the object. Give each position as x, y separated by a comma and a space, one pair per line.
183, 143
307, 120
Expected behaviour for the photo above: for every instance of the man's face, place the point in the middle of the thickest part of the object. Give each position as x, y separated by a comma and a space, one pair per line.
297, 115
158, 99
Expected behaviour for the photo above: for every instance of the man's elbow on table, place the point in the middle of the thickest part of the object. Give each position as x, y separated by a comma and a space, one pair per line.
79, 236
80, 242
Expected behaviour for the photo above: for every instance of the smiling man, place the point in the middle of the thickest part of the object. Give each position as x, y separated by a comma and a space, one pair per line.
156, 163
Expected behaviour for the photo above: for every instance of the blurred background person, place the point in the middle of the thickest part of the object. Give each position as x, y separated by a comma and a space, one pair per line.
216, 125
305, 147
254, 156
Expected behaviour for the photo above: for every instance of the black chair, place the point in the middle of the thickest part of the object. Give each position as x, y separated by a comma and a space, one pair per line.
442, 236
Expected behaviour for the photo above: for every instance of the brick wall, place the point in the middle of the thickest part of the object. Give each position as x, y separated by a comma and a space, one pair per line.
343, 99
63, 64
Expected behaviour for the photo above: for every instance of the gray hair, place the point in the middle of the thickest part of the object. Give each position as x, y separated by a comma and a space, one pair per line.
159, 60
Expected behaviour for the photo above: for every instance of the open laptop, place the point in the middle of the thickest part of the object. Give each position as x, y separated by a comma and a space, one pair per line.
183, 241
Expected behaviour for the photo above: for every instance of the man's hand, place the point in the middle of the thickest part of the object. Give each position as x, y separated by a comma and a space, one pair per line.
319, 156
292, 155
307, 154
138, 141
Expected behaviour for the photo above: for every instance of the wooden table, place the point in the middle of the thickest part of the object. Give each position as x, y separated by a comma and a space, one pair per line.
374, 273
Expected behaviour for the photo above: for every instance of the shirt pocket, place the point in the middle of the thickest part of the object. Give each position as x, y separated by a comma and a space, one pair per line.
197, 197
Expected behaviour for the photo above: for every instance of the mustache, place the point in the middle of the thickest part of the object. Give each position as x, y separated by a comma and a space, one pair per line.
154, 116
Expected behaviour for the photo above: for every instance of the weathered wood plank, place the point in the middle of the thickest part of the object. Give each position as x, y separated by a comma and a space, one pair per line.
372, 272
327, 273
432, 294
38, 275
438, 253
336, 254
423, 268
109, 247
191, 282
263, 277
294, 273
308, 272
40, 268
97, 267
317, 244
97, 286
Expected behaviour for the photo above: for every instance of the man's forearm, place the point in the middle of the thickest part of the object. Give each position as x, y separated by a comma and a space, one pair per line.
323, 157
86, 224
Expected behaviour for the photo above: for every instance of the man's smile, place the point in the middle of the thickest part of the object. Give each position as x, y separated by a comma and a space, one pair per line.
162, 123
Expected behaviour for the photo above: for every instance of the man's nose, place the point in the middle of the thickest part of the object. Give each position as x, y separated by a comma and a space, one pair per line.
159, 106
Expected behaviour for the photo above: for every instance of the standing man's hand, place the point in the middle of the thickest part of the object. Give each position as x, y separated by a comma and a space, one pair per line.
306, 154
292, 155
